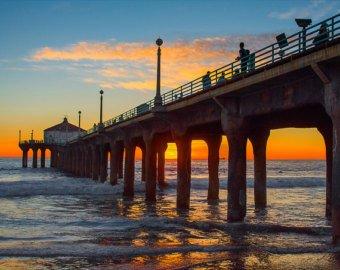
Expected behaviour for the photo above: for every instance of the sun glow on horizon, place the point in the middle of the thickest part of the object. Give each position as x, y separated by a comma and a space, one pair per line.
288, 143
285, 144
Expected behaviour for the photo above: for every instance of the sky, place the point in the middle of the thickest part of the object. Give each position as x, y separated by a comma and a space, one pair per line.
55, 56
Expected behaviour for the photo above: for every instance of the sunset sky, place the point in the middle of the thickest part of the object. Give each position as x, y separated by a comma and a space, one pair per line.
56, 56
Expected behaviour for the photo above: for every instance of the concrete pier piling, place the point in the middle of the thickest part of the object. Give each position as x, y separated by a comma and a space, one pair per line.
259, 139
237, 191
183, 171
35, 158
161, 164
143, 176
113, 163
150, 169
327, 134
24, 158
120, 161
103, 163
129, 169
42, 157
214, 143
95, 163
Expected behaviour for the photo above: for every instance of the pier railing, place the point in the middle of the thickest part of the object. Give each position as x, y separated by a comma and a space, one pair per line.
41, 142
31, 141
284, 48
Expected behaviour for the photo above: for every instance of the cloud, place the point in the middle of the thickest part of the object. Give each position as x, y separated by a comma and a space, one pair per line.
95, 51
315, 9
132, 66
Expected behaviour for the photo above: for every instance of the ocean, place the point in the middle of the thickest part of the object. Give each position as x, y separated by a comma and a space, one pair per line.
50, 220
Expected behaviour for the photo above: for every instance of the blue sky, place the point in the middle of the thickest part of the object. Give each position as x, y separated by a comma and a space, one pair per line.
56, 55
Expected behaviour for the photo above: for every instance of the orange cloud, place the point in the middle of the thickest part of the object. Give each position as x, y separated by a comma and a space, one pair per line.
132, 64
114, 72
97, 51
138, 85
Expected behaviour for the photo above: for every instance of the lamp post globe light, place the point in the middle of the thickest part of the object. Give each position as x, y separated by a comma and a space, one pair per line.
158, 97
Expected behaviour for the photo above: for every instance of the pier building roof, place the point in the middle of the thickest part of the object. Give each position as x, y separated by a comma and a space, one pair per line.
64, 126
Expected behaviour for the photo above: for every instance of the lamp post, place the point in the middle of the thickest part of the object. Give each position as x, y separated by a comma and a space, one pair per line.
303, 23
101, 109
158, 97
19, 136
32, 135
79, 117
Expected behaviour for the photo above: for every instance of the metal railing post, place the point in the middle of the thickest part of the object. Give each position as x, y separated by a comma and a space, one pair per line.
332, 28
299, 42
191, 88
232, 69
273, 53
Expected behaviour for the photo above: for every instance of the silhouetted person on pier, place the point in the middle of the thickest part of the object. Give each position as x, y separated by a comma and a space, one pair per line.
323, 35
206, 81
243, 56
221, 80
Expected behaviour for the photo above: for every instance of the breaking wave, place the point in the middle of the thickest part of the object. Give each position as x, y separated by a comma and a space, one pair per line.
81, 186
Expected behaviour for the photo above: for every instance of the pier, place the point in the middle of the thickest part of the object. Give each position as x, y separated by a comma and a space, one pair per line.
294, 85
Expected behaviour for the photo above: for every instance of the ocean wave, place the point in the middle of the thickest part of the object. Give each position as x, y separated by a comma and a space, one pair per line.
80, 186
258, 228
93, 250
289, 182
58, 186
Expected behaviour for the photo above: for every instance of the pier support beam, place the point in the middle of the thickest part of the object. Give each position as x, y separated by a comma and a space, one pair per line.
235, 128
73, 166
85, 158
332, 105
35, 158
83, 162
120, 161
103, 163
143, 176
67, 165
78, 162
327, 134
88, 162
214, 143
24, 158
183, 171
150, 170
336, 181
129, 169
237, 196
57, 159
161, 164
95, 163
259, 140
42, 157
113, 163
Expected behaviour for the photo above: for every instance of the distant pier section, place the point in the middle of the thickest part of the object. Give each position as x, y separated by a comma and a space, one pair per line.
55, 139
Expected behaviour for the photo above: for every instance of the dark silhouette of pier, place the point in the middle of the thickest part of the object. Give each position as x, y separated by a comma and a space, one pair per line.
297, 85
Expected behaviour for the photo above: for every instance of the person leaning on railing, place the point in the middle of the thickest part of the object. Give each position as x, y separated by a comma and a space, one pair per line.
221, 80
206, 81
322, 36
243, 56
